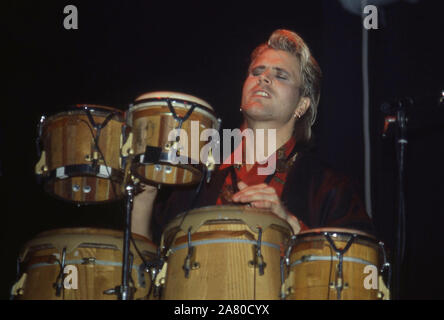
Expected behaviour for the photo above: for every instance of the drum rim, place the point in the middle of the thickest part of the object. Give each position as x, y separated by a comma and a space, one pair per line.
316, 232
44, 238
98, 110
177, 221
159, 95
229, 207
49, 239
232, 207
141, 104
336, 230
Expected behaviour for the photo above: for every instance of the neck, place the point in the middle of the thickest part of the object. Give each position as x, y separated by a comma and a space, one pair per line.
264, 134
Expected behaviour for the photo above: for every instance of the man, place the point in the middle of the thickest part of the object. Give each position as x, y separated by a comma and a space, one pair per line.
281, 92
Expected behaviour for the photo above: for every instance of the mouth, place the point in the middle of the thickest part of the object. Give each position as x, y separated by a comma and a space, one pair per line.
261, 93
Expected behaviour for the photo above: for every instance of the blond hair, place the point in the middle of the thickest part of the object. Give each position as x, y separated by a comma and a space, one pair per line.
310, 71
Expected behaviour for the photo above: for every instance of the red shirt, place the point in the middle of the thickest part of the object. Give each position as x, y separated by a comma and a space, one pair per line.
252, 177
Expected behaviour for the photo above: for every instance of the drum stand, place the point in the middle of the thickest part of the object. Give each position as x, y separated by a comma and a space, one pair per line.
125, 292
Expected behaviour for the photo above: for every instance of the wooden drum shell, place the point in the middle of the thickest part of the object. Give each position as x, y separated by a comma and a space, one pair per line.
68, 143
95, 253
313, 265
151, 122
224, 250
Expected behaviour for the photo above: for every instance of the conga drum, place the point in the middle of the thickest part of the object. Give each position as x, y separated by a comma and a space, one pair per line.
81, 264
166, 130
224, 253
334, 264
80, 158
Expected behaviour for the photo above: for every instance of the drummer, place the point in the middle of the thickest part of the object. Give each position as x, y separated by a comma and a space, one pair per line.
281, 92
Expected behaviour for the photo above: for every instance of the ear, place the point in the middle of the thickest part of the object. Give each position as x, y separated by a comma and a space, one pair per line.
303, 105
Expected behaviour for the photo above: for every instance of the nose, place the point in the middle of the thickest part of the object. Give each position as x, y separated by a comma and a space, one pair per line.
264, 77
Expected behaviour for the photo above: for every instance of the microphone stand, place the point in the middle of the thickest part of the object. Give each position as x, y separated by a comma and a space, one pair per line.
400, 119
401, 143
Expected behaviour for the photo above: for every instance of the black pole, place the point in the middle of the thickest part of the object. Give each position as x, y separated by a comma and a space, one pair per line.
125, 292
401, 142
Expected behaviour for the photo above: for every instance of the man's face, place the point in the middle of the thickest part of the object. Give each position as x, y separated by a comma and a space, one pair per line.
271, 90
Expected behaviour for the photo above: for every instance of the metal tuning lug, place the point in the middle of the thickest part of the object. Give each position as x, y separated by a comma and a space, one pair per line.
211, 162
385, 276
41, 166
18, 287
282, 294
190, 263
286, 287
58, 285
339, 282
127, 146
261, 264
159, 280
258, 259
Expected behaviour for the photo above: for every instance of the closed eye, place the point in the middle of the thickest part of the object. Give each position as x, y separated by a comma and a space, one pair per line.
281, 73
282, 76
257, 71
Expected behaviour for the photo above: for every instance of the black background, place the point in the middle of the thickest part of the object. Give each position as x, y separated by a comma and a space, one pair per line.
125, 48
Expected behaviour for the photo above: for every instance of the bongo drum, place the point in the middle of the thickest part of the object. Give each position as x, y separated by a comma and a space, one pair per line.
81, 161
333, 264
81, 264
224, 252
166, 128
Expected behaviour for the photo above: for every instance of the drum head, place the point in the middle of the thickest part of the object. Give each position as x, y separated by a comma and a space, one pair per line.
163, 95
178, 100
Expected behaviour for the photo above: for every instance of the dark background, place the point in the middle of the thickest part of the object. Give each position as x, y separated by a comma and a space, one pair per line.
125, 48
